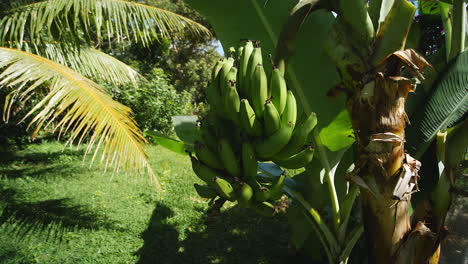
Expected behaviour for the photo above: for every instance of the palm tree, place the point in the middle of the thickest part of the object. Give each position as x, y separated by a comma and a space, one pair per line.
54, 44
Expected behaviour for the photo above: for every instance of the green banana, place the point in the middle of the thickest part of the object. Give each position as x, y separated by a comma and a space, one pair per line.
205, 191
203, 172
245, 195
224, 71
249, 161
262, 194
299, 137
232, 52
221, 127
226, 82
215, 71
254, 60
232, 102
212, 96
259, 90
290, 111
208, 137
228, 157
208, 157
224, 188
212, 91
263, 208
273, 144
227, 129
243, 66
297, 161
276, 190
248, 120
239, 52
278, 90
272, 119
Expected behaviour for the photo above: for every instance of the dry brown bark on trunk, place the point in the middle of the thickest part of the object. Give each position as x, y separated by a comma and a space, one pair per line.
378, 115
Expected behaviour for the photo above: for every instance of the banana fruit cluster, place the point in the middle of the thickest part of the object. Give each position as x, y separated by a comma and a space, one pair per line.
252, 117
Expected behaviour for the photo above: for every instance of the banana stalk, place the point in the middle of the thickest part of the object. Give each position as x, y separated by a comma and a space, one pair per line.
355, 14
394, 31
459, 28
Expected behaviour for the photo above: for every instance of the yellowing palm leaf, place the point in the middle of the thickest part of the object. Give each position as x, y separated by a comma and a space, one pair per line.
88, 61
78, 105
116, 19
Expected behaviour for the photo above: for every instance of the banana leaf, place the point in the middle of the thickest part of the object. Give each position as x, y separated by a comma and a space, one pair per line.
166, 142
186, 129
339, 133
445, 106
428, 7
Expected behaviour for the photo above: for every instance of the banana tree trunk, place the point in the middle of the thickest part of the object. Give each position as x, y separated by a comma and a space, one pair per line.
386, 174
379, 123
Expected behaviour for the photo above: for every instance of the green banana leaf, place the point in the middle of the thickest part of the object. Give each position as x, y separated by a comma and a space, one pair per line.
167, 142
310, 73
186, 129
339, 133
444, 107
378, 10
312, 185
428, 7
302, 227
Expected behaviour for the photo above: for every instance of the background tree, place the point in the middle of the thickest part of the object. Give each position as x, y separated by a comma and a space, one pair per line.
187, 61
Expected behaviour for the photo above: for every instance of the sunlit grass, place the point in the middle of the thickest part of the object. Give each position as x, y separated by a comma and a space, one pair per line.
55, 210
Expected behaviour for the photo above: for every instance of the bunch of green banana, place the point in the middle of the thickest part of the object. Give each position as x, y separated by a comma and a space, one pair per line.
252, 117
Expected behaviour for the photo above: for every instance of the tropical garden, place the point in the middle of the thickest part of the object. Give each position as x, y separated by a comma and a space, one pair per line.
249, 131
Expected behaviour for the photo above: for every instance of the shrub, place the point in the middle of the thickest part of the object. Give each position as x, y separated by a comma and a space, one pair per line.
153, 101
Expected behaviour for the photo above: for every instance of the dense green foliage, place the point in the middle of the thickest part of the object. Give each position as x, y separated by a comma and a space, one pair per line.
187, 61
53, 210
13, 133
154, 101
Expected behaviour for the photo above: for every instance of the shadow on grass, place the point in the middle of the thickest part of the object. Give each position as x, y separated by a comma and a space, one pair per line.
53, 217
12, 255
40, 165
38, 157
51, 171
237, 236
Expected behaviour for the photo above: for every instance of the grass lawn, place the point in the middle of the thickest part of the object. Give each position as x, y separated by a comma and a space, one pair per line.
55, 210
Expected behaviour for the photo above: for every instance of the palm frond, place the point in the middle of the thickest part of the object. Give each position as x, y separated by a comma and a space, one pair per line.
116, 19
88, 61
78, 105
443, 108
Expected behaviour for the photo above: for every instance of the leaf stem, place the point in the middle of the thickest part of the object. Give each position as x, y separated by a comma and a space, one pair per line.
352, 239
329, 174
284, 47
323, 231
459, 28
444, 10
